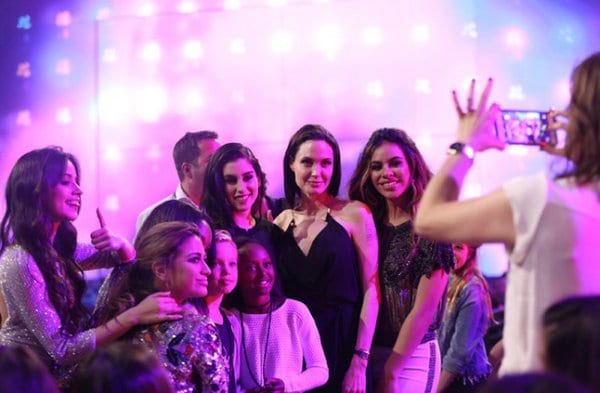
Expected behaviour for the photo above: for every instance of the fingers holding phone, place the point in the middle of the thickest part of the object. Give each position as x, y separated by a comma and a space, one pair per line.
557, 127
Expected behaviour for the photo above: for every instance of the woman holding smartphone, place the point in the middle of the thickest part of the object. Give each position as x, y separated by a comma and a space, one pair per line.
548, 224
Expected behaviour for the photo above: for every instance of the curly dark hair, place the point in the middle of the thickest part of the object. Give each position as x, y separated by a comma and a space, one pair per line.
214, 198
361, 187
583, 131
28, 223
309, 132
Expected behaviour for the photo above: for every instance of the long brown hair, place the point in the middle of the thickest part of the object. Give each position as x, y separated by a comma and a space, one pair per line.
469, 271
583, 130
159, 244
28, 223
361, 187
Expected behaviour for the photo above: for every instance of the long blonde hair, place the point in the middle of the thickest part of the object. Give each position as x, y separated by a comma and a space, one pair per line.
469, 271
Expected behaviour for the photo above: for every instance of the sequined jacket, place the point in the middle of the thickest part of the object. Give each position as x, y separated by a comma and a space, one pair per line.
190, 349
32, 320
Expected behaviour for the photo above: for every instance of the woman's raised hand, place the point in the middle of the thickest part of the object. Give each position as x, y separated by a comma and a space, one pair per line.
557, 120
104, 240
476, 123
155, 308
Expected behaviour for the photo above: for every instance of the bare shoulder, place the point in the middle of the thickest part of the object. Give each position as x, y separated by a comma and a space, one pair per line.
355, 211
351, 214
283, 219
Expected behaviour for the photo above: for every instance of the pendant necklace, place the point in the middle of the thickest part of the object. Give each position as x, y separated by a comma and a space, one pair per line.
264, 357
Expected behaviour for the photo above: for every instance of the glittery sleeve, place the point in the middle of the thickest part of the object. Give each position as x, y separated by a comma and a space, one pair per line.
28, 302
89, 258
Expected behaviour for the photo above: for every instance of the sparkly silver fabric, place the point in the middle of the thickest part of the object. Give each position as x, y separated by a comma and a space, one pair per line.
190, 349
32, 320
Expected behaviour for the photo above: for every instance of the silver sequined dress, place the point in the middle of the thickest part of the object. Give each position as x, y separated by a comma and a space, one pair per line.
190, 349
32, 320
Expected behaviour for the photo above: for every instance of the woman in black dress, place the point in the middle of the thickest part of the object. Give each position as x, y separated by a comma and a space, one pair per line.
328, 256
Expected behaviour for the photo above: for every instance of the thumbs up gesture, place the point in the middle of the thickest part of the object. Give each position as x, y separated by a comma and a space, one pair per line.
104, 240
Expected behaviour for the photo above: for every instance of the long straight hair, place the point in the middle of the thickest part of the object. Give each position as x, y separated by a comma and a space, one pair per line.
470, 271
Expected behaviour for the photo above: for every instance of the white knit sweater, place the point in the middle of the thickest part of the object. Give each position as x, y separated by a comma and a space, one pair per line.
293, 337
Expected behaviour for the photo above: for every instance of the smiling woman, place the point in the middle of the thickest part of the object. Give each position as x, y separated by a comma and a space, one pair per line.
328, 256
171, 260
390, 178
41, 278
234, 190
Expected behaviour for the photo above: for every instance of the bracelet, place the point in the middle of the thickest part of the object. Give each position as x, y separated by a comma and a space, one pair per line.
461, 148
362, 353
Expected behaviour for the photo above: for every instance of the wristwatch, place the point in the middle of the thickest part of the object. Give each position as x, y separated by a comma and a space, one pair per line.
461, 148
362, 353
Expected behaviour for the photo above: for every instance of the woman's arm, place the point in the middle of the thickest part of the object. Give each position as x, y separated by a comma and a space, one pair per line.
112, 249
364, 236
158, 307
30, 296
26, 296
485, 219
470, 326
429, 294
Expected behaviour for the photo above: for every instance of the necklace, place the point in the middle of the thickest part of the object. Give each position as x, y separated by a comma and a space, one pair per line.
264, 357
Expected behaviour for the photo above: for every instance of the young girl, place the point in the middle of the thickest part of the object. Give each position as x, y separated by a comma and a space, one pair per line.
465, 365
171, 257
222, 280
41, 280
280, 345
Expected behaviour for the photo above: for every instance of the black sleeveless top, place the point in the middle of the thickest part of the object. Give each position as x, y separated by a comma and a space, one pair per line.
327, 280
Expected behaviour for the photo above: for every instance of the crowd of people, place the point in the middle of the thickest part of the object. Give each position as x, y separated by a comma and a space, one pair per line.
226, 289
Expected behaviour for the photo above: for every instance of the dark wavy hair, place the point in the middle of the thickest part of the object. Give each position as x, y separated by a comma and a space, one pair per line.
214, 197
182, 211
309, 132
158, 245
582, 146
572, 339
361, 187
22, 371
121, 368
28, 223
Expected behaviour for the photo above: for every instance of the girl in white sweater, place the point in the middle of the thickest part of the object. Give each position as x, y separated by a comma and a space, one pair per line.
278, 334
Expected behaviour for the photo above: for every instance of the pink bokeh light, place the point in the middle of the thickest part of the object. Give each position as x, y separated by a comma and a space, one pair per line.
256, 70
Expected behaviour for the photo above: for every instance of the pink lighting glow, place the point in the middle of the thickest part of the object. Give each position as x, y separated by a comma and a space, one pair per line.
151, 51
134, 75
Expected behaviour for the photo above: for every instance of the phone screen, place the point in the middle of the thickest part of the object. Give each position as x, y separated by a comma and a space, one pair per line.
521, 127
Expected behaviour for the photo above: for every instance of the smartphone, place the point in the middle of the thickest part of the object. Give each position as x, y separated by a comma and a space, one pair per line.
521, 127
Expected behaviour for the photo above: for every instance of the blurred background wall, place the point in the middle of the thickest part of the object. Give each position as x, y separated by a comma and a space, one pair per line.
118, 82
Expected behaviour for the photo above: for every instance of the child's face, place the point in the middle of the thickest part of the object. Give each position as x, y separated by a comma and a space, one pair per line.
461, 253
256, 272
224, 275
